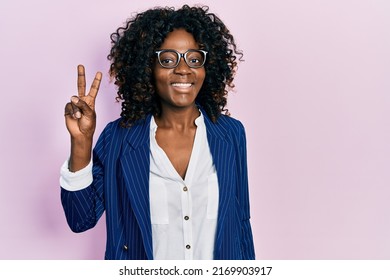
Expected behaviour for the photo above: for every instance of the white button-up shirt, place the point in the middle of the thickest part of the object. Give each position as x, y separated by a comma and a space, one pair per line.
183, 212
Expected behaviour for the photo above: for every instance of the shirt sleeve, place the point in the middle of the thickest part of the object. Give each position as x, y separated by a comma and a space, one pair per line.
75, 181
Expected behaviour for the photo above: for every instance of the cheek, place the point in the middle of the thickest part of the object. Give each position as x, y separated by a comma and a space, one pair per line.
160, 79
201, 76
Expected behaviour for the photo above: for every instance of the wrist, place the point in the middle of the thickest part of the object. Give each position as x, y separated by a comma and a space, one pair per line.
80, 154
81, 140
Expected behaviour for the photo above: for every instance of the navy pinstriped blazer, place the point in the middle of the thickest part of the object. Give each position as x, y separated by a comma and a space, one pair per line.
121, 165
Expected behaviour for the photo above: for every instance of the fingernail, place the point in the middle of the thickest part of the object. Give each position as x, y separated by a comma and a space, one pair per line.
74, 99
77, 114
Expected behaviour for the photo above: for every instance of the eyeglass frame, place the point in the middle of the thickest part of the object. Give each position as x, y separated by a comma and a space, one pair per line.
181, 55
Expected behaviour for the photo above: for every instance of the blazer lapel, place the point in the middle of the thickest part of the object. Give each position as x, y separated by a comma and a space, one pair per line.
222, 152
135, 164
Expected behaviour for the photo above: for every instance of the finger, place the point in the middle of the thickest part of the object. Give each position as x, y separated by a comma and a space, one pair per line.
80, 108
95, 85
76, 111
81, 80
68, 109
71, 111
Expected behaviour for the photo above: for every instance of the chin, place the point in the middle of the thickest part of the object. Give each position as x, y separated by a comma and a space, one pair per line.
180, 104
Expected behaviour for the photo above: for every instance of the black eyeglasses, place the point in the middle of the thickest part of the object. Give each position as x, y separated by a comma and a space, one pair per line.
171, 58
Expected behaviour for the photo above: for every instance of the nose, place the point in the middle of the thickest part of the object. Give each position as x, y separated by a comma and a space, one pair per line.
182, 68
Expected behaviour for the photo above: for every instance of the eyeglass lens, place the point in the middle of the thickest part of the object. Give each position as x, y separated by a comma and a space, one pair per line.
170, 59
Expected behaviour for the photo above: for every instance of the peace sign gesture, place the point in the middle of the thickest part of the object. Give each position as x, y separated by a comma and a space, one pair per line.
80, 119
80, 116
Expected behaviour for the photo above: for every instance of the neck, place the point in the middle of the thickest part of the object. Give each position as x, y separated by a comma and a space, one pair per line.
178, 118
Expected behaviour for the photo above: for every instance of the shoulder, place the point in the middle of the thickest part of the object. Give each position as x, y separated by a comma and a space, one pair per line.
107, 136
226, 127
115, 126
230, 124
114, 134
111, 128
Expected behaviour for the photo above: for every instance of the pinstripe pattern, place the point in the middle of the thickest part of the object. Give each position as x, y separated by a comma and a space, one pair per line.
121, 187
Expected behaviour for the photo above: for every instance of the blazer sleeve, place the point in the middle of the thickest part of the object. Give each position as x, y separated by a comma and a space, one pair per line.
83, 208
247, 245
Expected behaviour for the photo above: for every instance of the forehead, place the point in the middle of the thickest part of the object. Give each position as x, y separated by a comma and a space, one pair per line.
179, 40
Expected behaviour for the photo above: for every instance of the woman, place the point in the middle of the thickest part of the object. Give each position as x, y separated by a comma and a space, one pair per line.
171, 173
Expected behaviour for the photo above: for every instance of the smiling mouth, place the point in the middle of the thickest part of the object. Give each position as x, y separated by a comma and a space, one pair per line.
182, 85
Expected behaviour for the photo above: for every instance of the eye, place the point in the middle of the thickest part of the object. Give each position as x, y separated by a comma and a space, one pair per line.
194, 60
168, 58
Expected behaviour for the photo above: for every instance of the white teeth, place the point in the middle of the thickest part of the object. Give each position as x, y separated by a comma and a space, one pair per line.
182, 85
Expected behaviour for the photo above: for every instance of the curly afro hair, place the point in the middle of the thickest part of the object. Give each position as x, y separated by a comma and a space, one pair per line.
133, 56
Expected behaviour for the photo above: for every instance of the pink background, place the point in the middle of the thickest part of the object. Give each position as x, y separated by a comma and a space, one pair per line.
313, 93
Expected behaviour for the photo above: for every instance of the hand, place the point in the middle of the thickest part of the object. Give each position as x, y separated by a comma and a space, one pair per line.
80, 115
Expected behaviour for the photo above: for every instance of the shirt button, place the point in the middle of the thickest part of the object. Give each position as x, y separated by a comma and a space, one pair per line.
125, 247
188, 246
186, 218
185, 189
